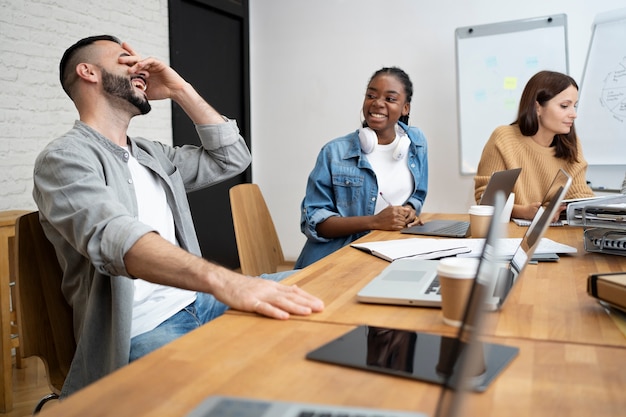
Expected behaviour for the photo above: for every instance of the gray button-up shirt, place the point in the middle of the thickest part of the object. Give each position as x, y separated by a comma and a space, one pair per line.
88, 209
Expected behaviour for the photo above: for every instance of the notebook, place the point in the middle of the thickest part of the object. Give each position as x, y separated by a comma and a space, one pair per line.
460, 364
414, 282
436, 248
526, 222
415, 248
500, 181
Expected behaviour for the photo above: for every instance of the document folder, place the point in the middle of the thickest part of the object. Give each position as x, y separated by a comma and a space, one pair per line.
608, 212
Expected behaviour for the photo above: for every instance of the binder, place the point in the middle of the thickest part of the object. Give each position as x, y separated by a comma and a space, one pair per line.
604, 220
602, 240
608, 287
607, 212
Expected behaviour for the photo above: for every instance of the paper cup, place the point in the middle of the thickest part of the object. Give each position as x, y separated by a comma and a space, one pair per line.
456, 276
480, 217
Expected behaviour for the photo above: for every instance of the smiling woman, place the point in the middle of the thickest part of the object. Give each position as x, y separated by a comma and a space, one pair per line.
385, 156
541, 141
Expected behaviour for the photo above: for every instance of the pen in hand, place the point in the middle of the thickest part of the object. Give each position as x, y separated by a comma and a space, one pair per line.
384, 199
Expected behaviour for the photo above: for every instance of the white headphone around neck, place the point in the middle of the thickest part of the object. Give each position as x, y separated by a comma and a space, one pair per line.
368, 140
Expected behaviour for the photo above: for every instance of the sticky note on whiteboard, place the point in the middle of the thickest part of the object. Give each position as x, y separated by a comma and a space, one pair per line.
510, 83
510, 103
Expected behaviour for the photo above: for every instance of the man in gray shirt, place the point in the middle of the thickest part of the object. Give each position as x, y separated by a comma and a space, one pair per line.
115, 209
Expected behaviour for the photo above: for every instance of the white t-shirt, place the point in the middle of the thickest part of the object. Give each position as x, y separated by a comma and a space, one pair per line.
393, 176
154, 303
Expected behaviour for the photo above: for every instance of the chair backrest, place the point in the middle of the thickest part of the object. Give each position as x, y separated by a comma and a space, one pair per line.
45, 318
257, 241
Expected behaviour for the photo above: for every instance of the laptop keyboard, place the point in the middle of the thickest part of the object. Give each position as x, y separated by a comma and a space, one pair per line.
340, 414
459, 228
254, 408
434, 287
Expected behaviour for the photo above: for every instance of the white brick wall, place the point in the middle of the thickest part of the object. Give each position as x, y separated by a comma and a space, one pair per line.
33, 107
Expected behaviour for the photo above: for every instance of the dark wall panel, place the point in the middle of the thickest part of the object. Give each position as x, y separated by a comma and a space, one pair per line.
209, 48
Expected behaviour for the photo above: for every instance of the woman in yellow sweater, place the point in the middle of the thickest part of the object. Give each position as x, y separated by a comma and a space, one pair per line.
541, 140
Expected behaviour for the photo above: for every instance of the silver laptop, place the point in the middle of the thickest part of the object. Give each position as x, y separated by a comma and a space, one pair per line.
503, 181
454, 364
549, 208
224, 406
414, 282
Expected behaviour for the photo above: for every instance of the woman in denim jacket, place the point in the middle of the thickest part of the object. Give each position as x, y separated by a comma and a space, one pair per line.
374, 178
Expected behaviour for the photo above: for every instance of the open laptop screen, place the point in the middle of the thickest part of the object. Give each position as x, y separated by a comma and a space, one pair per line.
532, 237
469, 351
548, 210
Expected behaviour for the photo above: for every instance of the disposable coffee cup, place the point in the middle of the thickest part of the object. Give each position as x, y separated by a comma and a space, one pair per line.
456, 276
480, 217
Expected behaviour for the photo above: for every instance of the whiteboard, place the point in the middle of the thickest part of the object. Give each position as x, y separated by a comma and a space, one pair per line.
493, 64
601, 122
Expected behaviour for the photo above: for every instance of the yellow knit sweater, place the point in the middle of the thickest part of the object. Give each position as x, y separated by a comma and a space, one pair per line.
507, 148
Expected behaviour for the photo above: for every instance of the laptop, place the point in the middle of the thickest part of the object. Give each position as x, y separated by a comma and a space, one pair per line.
414, 282
500, 181
458, 363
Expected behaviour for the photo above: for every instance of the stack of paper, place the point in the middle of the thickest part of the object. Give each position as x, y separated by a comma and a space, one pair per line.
416, 248
421, 248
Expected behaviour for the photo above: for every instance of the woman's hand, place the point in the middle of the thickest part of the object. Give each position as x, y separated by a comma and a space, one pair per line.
562, 207
396, 218
411, 218
525, 211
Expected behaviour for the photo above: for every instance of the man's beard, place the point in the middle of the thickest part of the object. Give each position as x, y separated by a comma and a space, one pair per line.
121, 87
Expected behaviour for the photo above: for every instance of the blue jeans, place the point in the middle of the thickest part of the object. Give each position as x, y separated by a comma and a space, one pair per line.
201, 311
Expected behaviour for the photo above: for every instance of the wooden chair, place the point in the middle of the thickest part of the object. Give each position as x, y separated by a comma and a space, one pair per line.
45, 318
257, 241
9, 335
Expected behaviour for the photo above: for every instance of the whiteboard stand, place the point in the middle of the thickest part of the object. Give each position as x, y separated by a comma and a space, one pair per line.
493, 64
601, 122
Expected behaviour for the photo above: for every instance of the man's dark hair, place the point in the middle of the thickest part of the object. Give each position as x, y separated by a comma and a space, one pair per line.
71, 52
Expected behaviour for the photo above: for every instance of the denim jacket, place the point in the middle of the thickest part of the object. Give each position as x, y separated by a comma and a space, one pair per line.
343, 183
88, 210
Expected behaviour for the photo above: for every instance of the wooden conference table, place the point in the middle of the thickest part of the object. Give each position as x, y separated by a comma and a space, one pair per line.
570, 363
549, 301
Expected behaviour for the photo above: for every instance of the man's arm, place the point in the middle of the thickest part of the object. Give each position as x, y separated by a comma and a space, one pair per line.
154, 259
